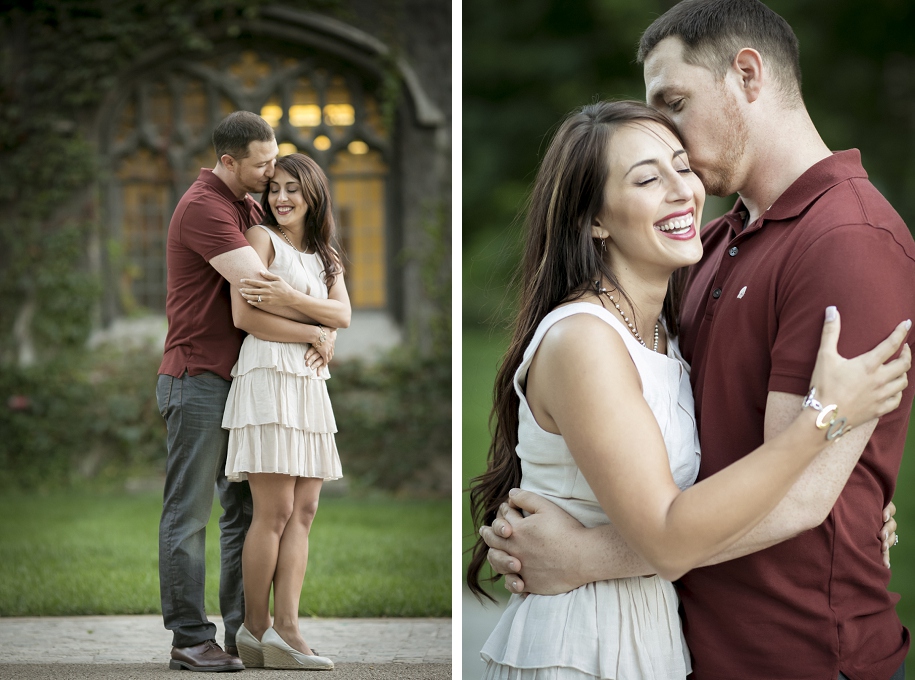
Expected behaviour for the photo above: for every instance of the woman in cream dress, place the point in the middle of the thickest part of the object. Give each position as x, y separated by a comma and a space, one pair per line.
593, 408
280, 421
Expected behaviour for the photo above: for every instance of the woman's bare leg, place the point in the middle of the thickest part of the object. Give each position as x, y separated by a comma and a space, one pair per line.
292, 561
274, 499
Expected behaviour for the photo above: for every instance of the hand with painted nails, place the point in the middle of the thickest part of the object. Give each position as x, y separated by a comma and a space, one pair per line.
859, 389
271, 290
321, 355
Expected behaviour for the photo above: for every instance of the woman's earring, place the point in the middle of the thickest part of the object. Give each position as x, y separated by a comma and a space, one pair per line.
603, 245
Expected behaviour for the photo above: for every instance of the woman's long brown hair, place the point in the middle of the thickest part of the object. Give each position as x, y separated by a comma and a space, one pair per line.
560, 263
320, 228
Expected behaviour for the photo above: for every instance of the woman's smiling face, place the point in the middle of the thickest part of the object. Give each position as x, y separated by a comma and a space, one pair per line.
286, 199
653, 201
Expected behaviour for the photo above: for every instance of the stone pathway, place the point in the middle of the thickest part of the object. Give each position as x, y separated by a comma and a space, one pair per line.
477, 621
69, 645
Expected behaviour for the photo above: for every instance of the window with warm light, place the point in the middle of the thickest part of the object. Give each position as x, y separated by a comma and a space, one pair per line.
162, 137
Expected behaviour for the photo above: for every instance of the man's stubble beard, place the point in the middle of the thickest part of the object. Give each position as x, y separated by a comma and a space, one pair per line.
720, 179
252, 188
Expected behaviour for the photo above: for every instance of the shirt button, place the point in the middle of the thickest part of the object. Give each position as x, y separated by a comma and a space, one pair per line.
716, 293
733, 251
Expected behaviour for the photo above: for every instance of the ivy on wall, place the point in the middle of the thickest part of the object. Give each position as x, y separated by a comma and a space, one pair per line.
64, 406
58, 60
78, 413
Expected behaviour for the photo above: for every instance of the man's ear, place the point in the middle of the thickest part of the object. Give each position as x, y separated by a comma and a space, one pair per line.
227, 161
749, 67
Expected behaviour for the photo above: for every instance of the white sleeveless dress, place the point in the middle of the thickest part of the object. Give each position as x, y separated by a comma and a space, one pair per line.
278, 412
623, 629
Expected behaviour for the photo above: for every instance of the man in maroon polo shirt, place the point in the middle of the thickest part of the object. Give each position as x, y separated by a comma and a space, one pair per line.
206, 252
809, 231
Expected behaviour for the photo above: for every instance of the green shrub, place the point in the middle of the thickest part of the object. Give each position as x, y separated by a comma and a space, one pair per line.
93, 416
82, 415
394, 419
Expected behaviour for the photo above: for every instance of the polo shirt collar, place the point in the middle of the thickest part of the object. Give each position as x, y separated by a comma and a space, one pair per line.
817, 180
208, 177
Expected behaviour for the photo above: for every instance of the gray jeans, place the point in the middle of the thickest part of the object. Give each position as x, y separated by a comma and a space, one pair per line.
193, 407
898, 675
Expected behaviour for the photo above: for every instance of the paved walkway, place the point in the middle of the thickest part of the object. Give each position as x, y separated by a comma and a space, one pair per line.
138, 647
478, 620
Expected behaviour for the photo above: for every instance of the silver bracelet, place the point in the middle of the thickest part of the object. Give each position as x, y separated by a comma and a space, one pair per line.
828, 418
322, 336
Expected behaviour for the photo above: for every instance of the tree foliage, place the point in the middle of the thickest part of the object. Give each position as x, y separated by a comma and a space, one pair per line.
76, 413
528, 63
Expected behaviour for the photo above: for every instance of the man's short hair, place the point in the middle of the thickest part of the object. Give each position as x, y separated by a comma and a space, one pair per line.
237, 130
714, 31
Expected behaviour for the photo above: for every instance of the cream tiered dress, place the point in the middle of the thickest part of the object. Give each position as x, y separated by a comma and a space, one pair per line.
624, 629
278, 412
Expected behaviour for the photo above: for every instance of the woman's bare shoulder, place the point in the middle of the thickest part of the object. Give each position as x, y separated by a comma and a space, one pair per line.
580, 357
257, 233
583, 333
584, 344
261, 242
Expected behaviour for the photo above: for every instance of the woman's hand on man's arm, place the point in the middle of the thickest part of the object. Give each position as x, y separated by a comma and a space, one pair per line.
813, 495
273, 292
320, 355
250, 263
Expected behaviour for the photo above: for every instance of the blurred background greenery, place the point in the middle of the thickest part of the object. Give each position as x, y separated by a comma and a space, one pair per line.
74, 411
82, 445
528, 63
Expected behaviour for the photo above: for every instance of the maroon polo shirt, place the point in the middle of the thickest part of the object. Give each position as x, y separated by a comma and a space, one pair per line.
751, 324
208, 221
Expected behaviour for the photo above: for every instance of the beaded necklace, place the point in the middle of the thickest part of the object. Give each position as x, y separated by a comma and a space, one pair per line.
283, 232
632, 328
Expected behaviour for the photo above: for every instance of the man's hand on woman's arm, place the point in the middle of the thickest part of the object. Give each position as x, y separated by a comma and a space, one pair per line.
550, 552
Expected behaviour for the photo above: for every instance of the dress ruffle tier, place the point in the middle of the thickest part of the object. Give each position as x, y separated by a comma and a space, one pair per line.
279, 414
619, 630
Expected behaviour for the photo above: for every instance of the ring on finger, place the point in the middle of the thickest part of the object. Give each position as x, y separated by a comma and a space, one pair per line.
896, 542
259, 298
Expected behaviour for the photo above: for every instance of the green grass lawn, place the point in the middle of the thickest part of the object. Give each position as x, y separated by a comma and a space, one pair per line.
73, 553
481, 355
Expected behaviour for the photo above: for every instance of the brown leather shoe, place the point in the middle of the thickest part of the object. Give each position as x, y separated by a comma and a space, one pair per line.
206, 657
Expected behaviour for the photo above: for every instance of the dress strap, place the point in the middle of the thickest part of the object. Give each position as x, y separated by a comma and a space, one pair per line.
559, 314
273, 236
280, 254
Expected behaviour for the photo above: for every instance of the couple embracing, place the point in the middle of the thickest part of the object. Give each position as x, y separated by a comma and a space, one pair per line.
642, 340
247, 415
